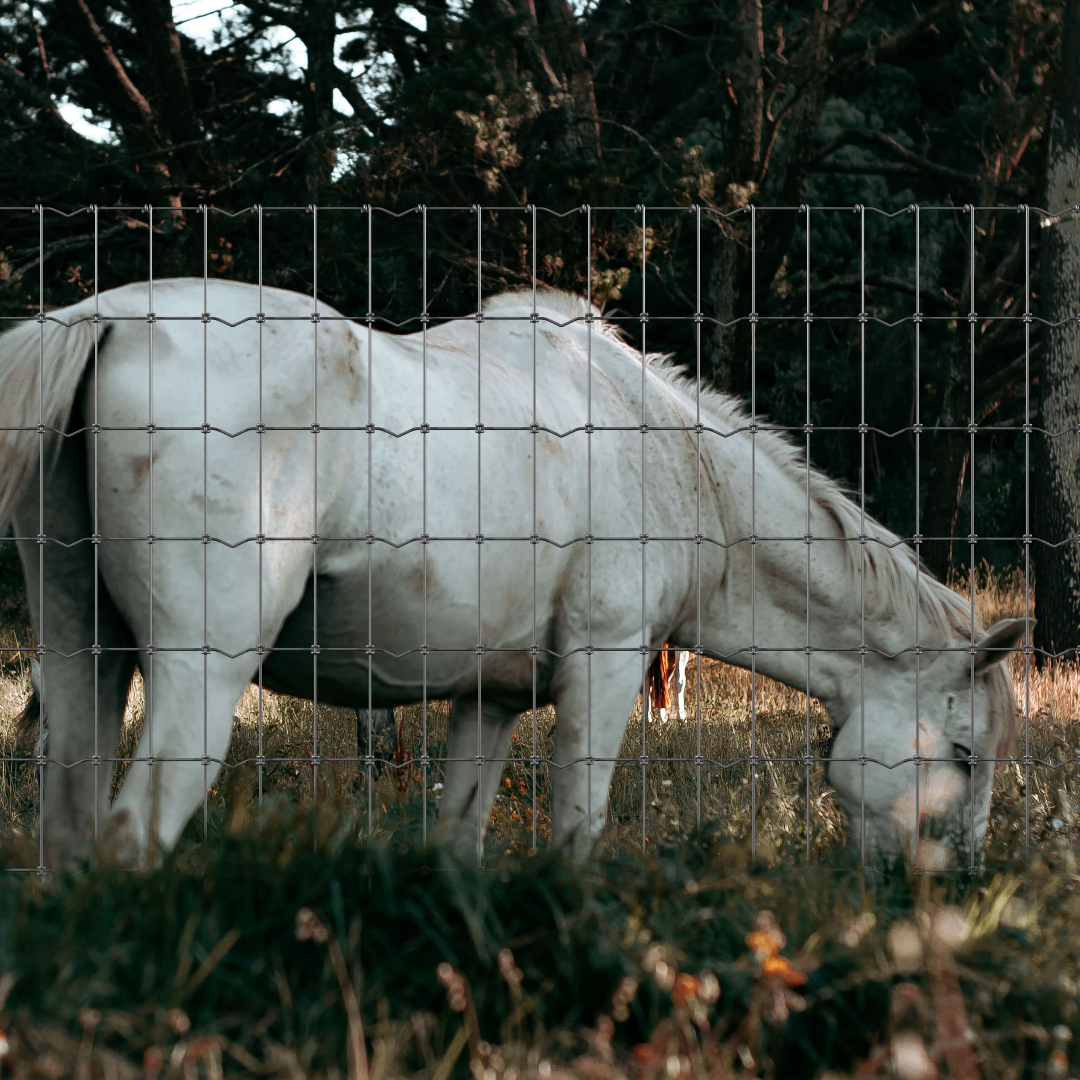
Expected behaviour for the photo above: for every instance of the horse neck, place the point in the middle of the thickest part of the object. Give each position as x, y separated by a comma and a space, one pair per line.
780, 616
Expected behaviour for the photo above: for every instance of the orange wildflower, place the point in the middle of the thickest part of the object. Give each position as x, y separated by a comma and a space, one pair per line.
780, 967
685, 988
763, 943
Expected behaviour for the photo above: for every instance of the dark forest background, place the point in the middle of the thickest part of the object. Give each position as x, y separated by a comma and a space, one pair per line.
700, 108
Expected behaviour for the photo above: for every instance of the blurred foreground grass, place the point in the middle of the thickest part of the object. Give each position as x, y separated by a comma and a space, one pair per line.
705, 959
288, 947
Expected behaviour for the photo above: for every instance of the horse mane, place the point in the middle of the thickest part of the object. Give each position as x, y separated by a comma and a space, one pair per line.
896, 581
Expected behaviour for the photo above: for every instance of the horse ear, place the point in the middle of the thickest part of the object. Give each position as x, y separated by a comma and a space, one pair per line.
1000, 640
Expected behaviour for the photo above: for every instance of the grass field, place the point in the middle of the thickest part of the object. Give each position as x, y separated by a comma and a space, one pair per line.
309, 937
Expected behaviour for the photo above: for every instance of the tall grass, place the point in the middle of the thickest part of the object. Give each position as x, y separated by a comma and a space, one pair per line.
317, 937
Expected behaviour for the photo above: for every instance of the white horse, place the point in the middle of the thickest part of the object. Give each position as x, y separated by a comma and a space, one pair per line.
520, 522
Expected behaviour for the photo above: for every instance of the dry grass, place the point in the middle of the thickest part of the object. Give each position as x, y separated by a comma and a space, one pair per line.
788, 803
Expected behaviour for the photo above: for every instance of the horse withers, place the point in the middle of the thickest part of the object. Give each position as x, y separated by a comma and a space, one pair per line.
505, 511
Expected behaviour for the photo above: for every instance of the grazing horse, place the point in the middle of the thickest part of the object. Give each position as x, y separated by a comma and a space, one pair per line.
506, 511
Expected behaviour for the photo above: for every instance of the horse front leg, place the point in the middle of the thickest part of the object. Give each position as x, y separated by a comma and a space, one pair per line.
589, 729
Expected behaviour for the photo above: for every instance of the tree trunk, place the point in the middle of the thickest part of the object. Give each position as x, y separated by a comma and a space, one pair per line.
1056, 473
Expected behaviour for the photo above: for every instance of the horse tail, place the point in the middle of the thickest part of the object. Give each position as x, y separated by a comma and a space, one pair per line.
41, 365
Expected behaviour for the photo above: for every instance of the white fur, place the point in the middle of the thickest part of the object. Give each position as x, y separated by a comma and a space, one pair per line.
590, 618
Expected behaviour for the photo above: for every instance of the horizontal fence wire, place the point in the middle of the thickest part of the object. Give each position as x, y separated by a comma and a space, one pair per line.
424, 323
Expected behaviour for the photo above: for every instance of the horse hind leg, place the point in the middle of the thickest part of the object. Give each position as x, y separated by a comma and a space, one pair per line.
182, 748
476, 755
86, 666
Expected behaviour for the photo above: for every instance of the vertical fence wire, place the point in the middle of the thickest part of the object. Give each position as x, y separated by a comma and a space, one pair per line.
95, 433
41, 536
753, 531
861, 211
917, 764
971, 536
809, 535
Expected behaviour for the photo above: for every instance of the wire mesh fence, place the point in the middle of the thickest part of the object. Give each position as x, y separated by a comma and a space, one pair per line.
404, 681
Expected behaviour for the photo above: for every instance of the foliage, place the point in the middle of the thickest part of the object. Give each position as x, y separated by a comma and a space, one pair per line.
662, 103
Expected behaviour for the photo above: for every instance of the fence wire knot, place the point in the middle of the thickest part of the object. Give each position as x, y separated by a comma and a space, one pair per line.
260, 538
863, 650
534, 650
425, 538
205, 650
479, 538
808, 317
534, 538
260, 317
589, 538
204, 318
315, 429
95, 759
479, 650
150, 650
151, 538
95, 650
699, 538
478, 317
534, 317
369, 539
205, 539
316, 649
425, 650
972, 318
151, 317
643, 538
315, 538
808, 649
151, 429
643, 428
753, 538
479, 429
808, 538
699, 317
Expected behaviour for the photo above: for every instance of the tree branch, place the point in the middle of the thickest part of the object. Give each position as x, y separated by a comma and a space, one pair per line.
39, 99
108, 64
879, 140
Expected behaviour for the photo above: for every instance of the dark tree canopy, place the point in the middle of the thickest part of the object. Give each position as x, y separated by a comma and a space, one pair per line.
712, 104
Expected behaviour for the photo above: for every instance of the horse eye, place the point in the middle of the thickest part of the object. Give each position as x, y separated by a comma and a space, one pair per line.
961, 754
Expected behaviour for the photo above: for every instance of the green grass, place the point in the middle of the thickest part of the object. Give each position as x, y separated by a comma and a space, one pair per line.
195, 968
201, 957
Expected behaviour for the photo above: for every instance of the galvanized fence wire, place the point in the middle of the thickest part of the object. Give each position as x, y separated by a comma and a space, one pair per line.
746, 656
